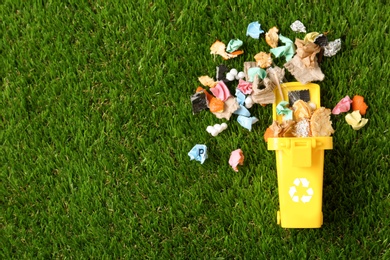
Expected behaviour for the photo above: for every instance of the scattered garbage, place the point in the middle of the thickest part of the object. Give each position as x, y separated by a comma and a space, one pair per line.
234, 45
283, 109
199, 102
332, 48
216, 129
219, 48
236, 158
272, 37
260, 81
355, 120
298, 26
198, 153
344, 105
246, 121
254, 30
359, 104
288, 50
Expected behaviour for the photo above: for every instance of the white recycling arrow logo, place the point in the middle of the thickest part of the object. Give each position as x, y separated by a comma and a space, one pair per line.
305, 184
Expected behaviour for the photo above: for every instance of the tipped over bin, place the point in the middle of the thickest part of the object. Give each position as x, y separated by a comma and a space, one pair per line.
300, 166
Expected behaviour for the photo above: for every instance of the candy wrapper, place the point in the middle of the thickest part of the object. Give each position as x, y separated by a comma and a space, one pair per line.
298, 26
332, 48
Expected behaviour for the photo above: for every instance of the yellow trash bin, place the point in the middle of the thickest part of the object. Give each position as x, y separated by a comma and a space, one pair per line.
300, 166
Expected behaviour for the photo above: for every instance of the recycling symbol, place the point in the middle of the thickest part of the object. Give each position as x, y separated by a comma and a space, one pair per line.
305, 184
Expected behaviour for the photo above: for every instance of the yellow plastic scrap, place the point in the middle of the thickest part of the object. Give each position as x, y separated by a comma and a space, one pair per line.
272, 37
355, 120
310, 37
207, 81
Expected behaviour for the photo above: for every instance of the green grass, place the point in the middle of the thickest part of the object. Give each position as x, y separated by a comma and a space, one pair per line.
96, 124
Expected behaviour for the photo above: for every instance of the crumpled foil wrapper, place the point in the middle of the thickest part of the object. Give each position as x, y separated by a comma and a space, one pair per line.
298, 26
332, 48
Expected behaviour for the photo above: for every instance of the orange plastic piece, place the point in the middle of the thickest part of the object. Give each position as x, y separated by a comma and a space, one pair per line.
216, 105
268, 133
237, 52
359, 104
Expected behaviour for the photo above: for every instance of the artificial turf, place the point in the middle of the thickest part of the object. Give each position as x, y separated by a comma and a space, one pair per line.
96, 124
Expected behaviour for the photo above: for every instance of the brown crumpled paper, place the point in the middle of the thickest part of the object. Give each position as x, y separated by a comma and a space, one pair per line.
302, 73
284, 129
304, 66
320, 123
307, 52
263, 59
230, 106
272, 37
301, 110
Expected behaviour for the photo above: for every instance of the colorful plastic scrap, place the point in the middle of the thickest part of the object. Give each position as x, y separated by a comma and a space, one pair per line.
221, 91
344, 105
359, 104
243, 111
209, 97
216, 129
268, 133
355, 120
310, 37
236, 158
216, 105
219, 47
240, 96
244, 86
230, 105
234, 45
199, 153
254, 30
288, 50
256, 71
247, 122
283, 109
